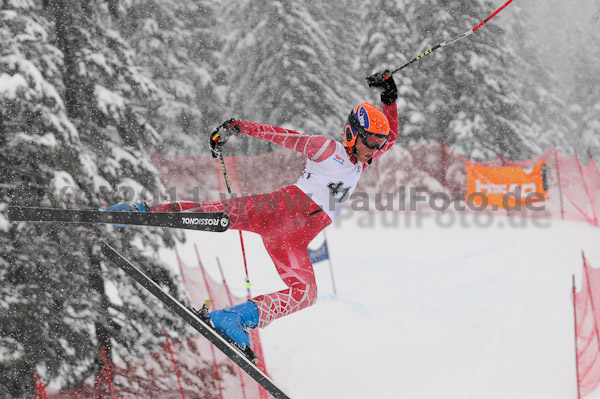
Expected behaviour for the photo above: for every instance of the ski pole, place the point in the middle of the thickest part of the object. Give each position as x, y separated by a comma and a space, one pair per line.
224, 169
225, 172
375, 78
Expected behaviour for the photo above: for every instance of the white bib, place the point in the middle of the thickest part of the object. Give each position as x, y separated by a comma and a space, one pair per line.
330, 183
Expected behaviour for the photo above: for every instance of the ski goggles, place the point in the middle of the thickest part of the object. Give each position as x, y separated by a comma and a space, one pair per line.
372, 141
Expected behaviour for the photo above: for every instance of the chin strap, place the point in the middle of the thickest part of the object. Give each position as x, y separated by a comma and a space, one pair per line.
354, 154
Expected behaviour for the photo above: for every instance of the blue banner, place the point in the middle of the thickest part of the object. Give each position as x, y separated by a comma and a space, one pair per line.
320, 254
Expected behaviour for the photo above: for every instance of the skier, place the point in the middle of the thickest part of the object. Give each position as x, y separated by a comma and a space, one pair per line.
291, 217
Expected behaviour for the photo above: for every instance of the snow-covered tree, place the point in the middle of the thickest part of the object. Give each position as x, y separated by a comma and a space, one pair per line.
585, 92
543, 105
73, 130
178, 45
35, 132
334, 18
466, 91
282, 67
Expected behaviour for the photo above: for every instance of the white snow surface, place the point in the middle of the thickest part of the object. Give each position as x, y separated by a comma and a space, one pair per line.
423, 311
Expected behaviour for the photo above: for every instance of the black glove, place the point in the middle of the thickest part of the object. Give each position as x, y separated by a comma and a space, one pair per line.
384, 80
220, 135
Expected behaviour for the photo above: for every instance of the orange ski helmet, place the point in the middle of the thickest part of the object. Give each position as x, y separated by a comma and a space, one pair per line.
365, 120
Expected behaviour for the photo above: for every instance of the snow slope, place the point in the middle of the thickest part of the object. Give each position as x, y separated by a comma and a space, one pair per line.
424, 309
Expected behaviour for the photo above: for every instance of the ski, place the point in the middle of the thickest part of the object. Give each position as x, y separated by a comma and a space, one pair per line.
205, 221
193, 319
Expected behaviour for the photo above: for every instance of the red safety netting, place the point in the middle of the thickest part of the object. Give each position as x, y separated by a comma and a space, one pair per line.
575, 192
573, 189
200, 287
191, 368
199, 177
154, 376
591, 175
587, 328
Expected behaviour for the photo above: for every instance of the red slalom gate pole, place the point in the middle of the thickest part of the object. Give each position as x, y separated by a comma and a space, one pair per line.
211, 298
107, 370
174, 364
208, 289
37, 386
230, 302
229, 297
40, 389
589, 291
574, 293
587, 189
562, 208
179, 262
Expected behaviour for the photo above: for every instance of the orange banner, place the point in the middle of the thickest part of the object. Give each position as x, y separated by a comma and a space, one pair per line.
506, 186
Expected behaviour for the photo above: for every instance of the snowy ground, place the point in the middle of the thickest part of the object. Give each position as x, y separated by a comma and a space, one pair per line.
424, 311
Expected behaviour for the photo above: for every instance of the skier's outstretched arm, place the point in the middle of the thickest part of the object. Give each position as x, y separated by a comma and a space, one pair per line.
391, 113
317, 148
390, 109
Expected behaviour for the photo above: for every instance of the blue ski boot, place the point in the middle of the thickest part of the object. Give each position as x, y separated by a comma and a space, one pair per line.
232, 322
128, 207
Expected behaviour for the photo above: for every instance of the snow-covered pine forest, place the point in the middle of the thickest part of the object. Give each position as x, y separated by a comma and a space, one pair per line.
89, 88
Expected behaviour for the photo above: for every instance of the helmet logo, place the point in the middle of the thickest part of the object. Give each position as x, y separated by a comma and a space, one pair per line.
363, 117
